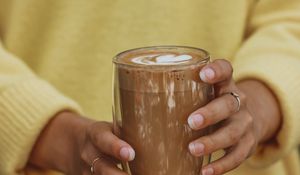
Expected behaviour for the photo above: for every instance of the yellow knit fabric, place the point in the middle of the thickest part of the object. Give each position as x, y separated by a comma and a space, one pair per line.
57, 54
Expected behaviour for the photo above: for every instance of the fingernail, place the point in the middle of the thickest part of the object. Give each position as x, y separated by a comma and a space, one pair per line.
196, 148
195, 121
131, 154
127, 153
207, 74
208, 171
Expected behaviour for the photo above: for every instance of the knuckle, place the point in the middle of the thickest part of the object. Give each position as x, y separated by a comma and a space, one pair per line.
210, 144
241, 156
92, 132
248, 119
233, 134
243, 98
97, 138
83, 156
225, 66
217, 63
97, 130
252, 141
231, 162
237, 161
219, 168
89, 131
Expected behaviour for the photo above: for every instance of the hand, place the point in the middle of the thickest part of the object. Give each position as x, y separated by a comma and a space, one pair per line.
241, 131
77, 142
99, 141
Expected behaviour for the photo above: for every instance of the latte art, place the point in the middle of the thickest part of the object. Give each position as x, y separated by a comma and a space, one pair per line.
161, 59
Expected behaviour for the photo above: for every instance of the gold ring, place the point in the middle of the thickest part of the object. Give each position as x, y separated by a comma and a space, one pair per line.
93, 164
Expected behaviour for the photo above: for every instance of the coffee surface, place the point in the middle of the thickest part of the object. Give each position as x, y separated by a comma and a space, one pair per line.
155, 104
159, 58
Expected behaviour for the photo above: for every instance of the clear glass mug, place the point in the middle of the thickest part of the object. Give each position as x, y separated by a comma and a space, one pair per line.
151, 104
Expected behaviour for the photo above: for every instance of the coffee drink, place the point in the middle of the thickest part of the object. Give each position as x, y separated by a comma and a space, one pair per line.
156, 89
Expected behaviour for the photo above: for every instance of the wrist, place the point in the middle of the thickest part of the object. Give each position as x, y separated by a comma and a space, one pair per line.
263, 106
58, 141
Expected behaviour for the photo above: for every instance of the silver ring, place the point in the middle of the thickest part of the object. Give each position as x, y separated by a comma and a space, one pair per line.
93, 164
237, 97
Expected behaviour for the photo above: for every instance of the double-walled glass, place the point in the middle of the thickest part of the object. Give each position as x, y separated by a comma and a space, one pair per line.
151, 104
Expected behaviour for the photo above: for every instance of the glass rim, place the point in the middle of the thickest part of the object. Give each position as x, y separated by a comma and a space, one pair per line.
205, 59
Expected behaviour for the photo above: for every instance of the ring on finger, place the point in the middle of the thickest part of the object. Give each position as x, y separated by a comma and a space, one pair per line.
93, 164
237, 97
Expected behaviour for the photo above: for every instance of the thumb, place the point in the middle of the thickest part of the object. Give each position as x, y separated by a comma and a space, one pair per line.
219, 71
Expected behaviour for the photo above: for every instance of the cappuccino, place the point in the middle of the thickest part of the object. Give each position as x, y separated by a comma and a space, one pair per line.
157, 89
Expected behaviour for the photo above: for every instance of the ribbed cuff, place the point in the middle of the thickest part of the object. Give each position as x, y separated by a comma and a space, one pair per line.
25, 108
282, 77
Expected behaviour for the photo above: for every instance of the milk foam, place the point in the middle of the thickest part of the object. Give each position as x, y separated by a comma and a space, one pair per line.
160, 59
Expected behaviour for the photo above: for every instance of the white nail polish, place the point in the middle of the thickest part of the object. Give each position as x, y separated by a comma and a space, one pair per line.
202, 76
195, 121
191, 122
192, 148
207, 74
124, 153
131, 154
208, 171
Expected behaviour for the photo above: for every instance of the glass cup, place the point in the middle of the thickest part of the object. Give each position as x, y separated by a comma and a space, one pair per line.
155, 90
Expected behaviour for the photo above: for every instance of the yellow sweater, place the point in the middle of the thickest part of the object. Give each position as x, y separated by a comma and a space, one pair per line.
56, 55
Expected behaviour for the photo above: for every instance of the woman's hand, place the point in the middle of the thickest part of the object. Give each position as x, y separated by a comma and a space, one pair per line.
241, 130
78, 142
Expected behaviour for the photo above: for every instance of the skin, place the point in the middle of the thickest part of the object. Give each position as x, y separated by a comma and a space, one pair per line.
70, 143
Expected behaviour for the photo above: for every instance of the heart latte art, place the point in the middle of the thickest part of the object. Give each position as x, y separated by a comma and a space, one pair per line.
161, 59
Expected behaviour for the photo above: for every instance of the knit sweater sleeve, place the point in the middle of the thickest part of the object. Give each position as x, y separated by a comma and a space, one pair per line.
271, 54
27, 103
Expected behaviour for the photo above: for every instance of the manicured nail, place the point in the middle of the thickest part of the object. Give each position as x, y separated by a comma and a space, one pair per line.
195, 121
196, 148
207, 74
208, 171
127, 153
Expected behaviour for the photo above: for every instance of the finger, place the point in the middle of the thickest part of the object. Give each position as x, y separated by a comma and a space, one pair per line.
103, 166
215, 111
232, 159
219, 70
89, 153
227, 136
103, 138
